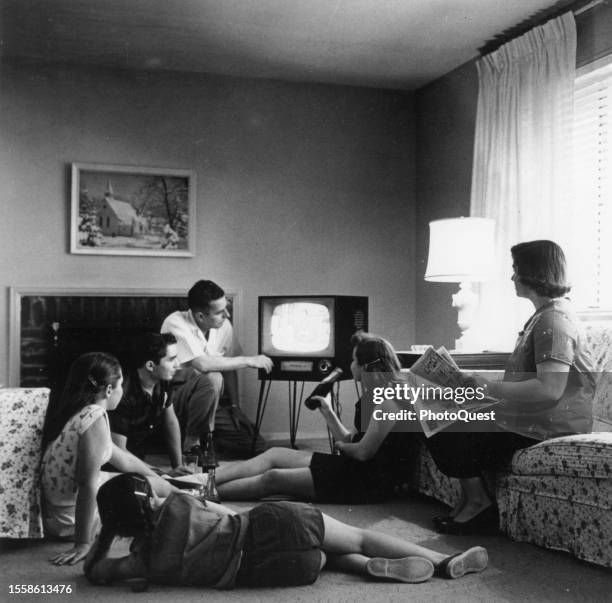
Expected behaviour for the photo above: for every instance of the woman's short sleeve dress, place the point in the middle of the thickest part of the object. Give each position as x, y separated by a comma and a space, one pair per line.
58, 471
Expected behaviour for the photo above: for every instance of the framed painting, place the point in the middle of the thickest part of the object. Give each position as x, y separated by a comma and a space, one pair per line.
121, 210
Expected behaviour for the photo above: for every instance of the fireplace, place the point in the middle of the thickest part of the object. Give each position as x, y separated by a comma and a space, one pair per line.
49, 328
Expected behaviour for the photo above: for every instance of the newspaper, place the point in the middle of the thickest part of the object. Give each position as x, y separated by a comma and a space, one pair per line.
438, 370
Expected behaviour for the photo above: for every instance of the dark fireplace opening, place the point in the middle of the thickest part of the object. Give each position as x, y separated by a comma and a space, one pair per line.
55, 329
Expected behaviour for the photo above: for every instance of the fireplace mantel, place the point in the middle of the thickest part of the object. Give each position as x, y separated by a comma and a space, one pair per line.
32, 336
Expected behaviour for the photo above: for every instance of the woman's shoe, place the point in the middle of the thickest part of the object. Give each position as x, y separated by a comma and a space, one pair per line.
407, 569
484, 522
472, 560
441, 519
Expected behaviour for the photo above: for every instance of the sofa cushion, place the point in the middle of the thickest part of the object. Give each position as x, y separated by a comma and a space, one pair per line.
599, 342
602, 402
584, 455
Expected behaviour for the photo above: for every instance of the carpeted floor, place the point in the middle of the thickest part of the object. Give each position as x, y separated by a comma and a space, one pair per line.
517, 572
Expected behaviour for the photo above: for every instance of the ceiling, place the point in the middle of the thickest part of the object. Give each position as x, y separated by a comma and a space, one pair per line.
376, 43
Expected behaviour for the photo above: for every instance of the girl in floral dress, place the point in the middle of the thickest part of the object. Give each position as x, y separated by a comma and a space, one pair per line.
76, 443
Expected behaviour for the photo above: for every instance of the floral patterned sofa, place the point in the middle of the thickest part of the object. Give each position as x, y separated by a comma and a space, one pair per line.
22, 413
558, 493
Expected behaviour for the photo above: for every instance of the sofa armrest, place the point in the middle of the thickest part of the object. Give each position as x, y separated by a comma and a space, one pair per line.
22, 414
585, 455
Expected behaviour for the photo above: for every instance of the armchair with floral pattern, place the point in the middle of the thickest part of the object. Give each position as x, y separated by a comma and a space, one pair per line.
558, 493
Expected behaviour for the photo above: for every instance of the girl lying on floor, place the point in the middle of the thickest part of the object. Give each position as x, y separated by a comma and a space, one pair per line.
371, 464
76, 443
184, 541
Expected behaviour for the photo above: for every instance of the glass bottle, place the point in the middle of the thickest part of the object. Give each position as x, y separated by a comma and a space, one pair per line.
208, 462
192, 459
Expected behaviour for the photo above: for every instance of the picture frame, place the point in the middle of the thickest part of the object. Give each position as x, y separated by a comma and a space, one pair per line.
131, 210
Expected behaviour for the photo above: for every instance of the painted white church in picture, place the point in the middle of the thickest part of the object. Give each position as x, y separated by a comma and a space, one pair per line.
119, 218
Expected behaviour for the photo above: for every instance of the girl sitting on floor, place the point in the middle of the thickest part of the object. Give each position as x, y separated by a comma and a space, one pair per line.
371, 464
185, 541
76, 443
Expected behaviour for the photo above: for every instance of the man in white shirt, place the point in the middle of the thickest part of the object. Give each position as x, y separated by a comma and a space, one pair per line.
209, 355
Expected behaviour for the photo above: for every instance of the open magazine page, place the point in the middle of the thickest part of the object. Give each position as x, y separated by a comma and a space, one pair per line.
438, 366
446, 354
446, 390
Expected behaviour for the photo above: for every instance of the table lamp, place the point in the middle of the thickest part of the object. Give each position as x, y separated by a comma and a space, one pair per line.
462, 250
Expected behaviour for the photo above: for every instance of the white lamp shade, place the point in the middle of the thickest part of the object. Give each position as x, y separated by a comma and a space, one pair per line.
461, 250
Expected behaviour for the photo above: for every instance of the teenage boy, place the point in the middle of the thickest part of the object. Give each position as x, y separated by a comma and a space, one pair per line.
145, 417
210, 354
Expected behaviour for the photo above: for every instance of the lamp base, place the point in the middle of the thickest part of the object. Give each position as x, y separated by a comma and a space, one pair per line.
466, 302
468, 342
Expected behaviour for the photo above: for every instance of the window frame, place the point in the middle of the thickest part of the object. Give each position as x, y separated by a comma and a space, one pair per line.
603, 311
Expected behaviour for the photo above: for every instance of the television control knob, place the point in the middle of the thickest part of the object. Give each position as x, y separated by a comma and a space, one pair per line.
324, 366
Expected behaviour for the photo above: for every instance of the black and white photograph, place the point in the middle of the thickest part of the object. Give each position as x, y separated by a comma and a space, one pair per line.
306, 300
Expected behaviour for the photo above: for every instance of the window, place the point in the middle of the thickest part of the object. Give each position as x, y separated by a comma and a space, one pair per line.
593, 181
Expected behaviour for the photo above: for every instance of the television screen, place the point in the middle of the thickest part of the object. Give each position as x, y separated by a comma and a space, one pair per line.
297, 327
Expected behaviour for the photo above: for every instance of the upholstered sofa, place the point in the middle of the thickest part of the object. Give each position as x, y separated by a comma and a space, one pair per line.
22, 413
558, 493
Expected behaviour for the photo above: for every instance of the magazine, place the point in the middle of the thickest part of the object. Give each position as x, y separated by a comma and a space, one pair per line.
187, 482
440, 372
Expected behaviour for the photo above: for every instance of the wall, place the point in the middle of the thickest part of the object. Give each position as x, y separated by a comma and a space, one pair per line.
445, 122
446, 111
594, 31
301, 188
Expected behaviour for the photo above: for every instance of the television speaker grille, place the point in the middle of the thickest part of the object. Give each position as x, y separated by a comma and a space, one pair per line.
359, 320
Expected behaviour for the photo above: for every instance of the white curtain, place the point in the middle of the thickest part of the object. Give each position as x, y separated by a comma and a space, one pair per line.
522, 159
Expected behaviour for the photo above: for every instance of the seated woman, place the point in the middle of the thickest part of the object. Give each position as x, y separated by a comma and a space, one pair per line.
185, 541
546, 392
76, 443
369, 466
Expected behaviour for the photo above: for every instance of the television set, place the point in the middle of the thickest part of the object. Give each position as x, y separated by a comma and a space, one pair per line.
307, 336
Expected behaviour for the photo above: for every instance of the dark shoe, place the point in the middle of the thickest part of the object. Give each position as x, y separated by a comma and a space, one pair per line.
407, 569
191, 450
484, 522
470, 561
